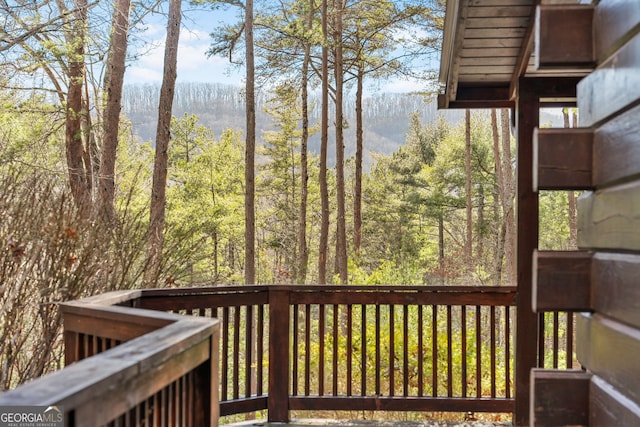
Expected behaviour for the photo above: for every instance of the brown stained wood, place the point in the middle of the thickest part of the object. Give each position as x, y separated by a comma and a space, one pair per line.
205, 300
107, 385
610, 408
498, 296
609, 219
527, 119
575, 49
434, 351
608, 349
400, 403
497, 21
559, 398
616, 288
563, 159
612, 87
617, 149
243, 406
278, 403
488, 61
489, 52
499, 11
561, 281
615, 22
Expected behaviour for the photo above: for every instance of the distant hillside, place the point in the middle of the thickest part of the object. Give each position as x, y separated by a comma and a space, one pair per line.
219, 107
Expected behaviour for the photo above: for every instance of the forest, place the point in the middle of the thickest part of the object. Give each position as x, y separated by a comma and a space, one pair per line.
90, 202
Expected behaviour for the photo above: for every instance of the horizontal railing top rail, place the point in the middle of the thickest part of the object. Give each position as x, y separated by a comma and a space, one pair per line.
128, 366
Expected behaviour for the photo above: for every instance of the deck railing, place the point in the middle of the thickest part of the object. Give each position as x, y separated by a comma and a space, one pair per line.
130, 367
358, 348
285, 348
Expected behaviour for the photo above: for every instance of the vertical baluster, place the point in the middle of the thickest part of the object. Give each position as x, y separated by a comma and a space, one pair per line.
260, 351
236, 352
507, 351
349, 350
378, 350
321, 333
307, 351
405, 347
492, 331
541, 339
420, 309
224, 355
294, 349
434, 350
392, 347
248, 361
478, 351
363, 340
463, 358
336, 342
556, 346
569, 340
449, 353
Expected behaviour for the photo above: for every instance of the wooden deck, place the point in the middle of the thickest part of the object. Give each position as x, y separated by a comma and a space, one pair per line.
370, 423
309, 348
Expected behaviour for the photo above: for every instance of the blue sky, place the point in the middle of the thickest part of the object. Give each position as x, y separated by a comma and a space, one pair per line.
193, 63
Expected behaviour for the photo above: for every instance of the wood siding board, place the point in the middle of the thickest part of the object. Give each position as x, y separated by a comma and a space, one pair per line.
494, 33
501, 2
575, 48
615, 286
615, 22
559, 398
563, 159
499, 11
497, 22
617, 149
610, 219
562, 281
612, 87
489, 52
608, 349
608, 407
488, 61
510, 43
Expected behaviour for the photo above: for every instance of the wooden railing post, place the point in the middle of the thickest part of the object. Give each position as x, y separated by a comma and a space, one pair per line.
206, 399
278, 404
528, 116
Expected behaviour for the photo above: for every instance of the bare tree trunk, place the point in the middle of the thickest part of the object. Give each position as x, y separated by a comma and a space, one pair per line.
508, 199
341, 238
499, 257
303, 257
250, 149
78, 178
114, 82
441, 248
357, 200
155, 238
573, 204
467, 161
324, 191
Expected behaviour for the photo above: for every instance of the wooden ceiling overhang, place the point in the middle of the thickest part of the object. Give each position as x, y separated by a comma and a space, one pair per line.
488, 45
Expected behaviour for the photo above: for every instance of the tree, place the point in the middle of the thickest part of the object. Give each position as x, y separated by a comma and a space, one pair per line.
250, 149
163, 137
114, 81
324, 137
341, 237
79, 169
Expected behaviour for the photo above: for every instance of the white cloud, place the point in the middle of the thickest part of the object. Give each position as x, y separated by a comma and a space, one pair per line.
193, 63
